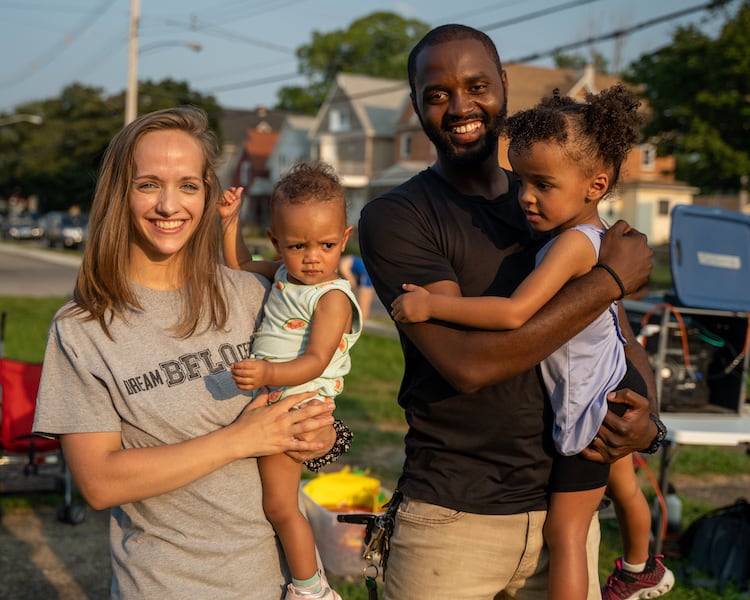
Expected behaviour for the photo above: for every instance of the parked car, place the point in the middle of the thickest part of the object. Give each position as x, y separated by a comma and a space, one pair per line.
63, 230
21, 228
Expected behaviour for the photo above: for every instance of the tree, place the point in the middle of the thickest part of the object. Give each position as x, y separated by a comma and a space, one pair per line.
698, 94
58, 160
168, 93
377, 45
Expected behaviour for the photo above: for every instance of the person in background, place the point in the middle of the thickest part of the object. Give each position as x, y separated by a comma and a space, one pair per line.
310, 323
479, 446
136, 380
567, 156
352, 268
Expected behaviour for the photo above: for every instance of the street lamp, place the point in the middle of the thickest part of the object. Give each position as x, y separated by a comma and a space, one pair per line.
194, 46
21, 118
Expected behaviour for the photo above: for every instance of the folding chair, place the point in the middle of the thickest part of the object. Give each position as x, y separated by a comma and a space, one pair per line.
27, 460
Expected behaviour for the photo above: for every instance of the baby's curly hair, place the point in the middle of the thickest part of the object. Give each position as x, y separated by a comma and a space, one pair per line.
595, 134
306, 181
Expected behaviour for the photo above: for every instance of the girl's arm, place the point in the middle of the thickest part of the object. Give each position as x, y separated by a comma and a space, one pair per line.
332, 317
570, 256
109, 475
236, 254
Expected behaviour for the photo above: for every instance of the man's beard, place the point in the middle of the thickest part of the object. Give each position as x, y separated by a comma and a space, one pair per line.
468, 154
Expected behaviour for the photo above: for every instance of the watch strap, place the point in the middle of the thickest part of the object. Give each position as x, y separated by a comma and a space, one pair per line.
661, 434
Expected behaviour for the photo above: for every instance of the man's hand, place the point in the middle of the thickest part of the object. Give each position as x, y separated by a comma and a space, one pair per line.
627, 252
620, 436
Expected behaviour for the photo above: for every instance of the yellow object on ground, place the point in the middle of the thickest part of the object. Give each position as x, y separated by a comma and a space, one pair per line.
346, 489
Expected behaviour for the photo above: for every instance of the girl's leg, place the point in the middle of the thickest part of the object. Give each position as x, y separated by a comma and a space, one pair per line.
565, 532
281, 477
638, 574
632, 510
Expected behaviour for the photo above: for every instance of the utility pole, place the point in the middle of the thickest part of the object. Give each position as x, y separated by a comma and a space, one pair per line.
131, 93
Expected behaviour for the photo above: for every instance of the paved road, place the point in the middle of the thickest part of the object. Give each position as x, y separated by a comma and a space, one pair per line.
30, 271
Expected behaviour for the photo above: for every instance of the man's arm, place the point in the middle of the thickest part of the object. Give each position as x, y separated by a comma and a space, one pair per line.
470, 360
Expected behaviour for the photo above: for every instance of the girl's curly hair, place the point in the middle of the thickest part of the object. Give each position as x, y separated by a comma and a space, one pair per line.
596, 133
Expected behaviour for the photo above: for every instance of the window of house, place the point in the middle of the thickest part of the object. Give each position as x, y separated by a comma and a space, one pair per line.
405, 145
648, 157
662, 206
340, 119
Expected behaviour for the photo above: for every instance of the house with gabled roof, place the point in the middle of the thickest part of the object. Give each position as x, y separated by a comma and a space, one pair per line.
354, 131
293, 145
248, 138
235, 125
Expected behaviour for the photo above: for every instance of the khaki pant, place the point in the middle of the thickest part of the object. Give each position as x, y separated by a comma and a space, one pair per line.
443, 554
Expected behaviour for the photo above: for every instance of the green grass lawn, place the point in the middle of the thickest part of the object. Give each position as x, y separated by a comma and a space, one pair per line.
27, 321
369, 407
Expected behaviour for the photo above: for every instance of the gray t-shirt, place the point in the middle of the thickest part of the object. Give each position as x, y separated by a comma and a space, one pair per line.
209, 539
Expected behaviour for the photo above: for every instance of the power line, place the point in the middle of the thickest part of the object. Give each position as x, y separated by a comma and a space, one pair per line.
254, 82
536, 14
611, 35
226, 33
213, 29
221, 32
57, 49
618, 32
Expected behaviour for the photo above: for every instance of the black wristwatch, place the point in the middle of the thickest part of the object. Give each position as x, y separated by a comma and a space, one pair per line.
661, 433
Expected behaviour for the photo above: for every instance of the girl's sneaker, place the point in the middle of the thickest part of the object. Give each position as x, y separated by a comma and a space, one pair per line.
655, 580
326, 593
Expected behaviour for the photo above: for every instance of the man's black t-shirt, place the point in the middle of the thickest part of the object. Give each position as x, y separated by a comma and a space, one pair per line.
488, 452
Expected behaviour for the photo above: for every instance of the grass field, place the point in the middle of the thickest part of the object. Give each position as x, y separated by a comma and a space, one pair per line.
369, 408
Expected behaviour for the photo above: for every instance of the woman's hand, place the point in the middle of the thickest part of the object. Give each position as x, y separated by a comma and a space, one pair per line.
280, 427
326, 436
108, 474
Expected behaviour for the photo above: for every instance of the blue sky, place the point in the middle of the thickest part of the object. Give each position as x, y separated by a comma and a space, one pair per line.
248, 45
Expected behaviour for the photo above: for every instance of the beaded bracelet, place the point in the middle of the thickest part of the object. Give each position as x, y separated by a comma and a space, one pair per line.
617, 279
344, 438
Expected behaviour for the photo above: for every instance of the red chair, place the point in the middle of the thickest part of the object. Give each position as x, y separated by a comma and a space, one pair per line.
25, 457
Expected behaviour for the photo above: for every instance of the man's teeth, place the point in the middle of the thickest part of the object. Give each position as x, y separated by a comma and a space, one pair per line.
466, 128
